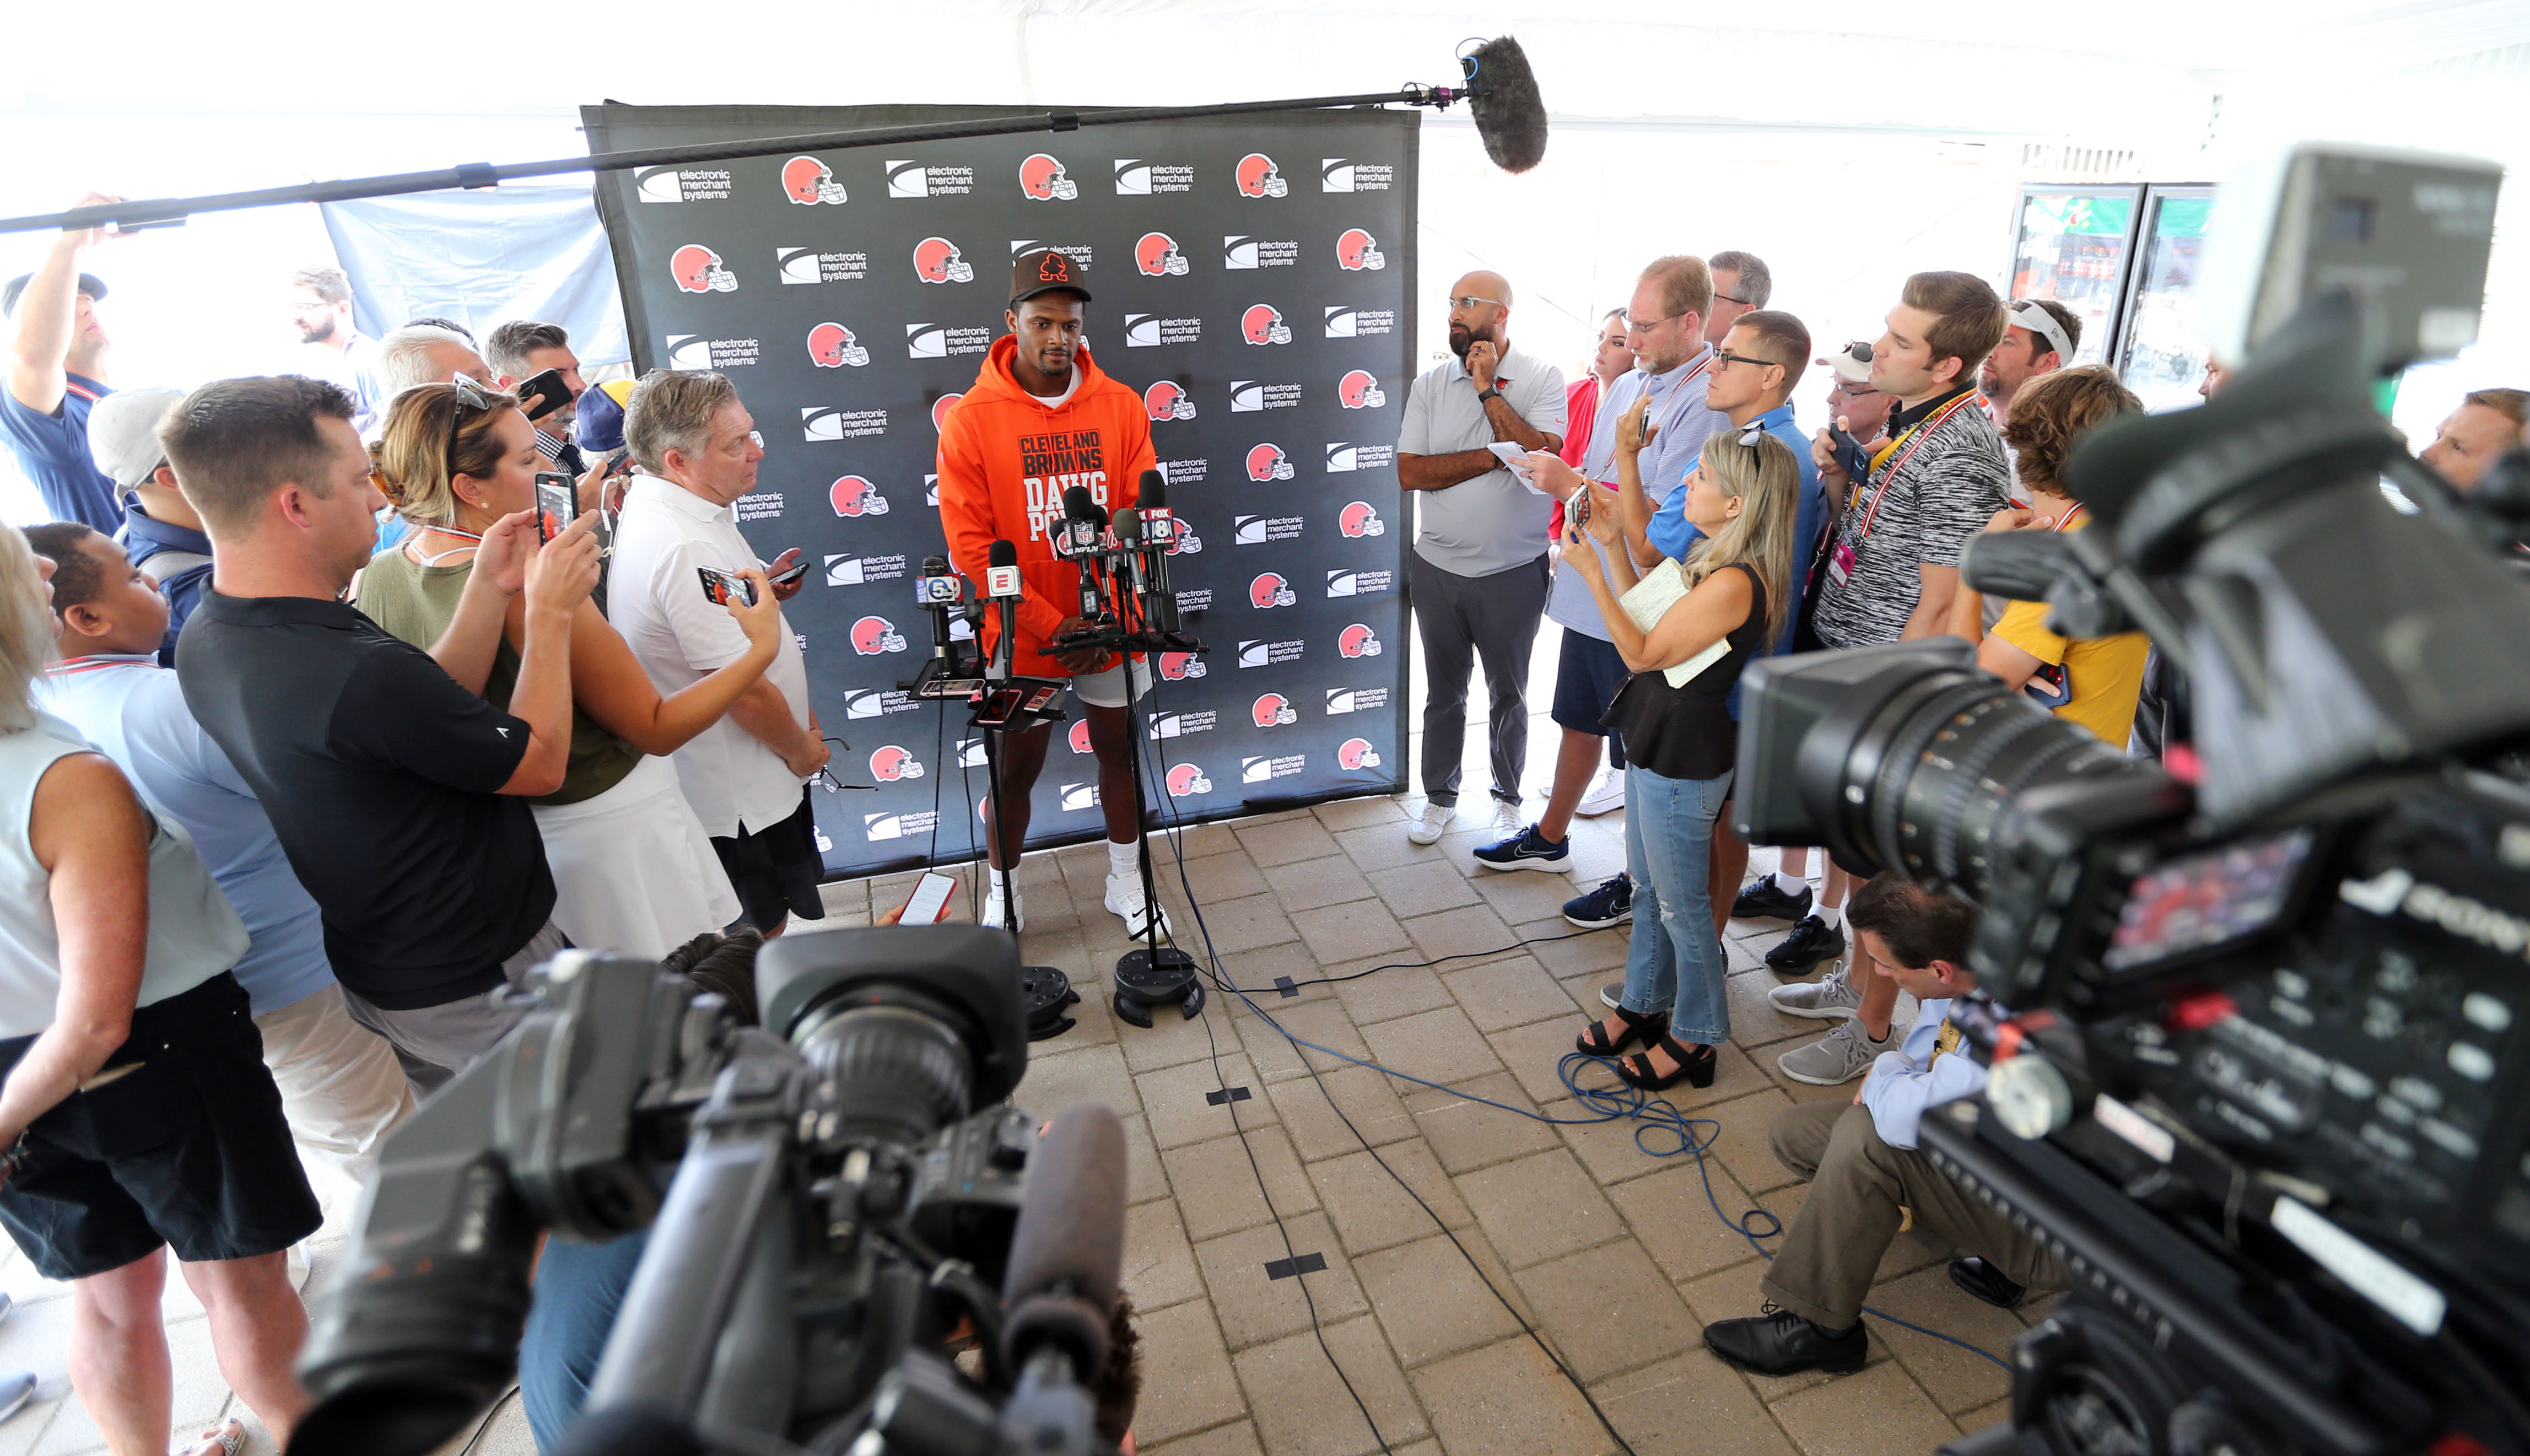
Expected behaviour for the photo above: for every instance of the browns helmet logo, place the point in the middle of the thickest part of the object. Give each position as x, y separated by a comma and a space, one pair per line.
1079, 736
1042, 179
1360, 519
830, 346
1263, 323
939, 408
1259, 178
1168, 400
1188, 543
1185, 779
1157, 257
891, 764
1274, 710
1359, 390
938, 260
697, 269
851, 496
872, 635
1179, 666
1268, 462
1358, 641
807, 182
1358, 252
1271, 591
1356, 753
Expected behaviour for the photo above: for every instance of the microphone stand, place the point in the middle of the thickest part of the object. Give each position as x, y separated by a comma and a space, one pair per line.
1152, 975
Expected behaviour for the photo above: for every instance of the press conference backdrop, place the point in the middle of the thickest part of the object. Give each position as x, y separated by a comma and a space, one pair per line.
1255, 284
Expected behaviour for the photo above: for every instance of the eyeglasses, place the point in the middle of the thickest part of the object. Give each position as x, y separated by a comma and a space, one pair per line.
1730, 298
1646, 325
1469, 300
1723, 361
468, 394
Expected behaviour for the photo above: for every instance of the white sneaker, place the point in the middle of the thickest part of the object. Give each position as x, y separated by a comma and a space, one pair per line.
1605, 795
1508, 822
1434, 823
991, 915
1125, 898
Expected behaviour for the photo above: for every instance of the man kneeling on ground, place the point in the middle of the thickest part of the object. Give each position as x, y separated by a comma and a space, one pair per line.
1867, 1181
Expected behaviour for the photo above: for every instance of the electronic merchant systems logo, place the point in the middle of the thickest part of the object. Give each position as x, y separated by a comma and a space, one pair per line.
681, 184
831, 423
1344, 456
945, 341
1139, 177
798, 265
809, 182
906, 179
698, 351
1344, 175
1242, 251
1359, 323
1150, 330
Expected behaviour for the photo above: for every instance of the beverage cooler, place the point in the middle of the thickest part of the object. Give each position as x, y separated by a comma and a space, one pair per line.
2123, 257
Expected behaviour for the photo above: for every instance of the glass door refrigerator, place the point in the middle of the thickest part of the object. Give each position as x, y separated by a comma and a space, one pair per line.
2075, 245
2159, 353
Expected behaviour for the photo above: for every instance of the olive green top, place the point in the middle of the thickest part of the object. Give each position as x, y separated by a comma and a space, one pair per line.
417, 602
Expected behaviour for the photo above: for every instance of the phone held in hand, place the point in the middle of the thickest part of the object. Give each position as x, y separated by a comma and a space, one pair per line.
724, 587
542, 394
1849, 453
556, 504
792, 573
929, 900
1576, 511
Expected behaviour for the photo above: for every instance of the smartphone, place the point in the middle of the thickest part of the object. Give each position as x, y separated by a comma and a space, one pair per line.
542, 394
929, 900
557, 503
622, 464
1849, 453
792, 573
724, 587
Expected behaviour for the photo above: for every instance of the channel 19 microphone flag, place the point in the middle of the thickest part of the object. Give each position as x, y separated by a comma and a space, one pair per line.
1253, 282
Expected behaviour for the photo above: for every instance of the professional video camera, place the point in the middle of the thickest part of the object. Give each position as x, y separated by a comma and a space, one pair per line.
838, 1197
2265, 1083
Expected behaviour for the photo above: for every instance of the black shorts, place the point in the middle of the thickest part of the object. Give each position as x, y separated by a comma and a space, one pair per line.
1587, 674
189, 1149
775, 870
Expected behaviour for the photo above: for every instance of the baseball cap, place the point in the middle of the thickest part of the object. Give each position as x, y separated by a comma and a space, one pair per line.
122, 433
1853, 364
602, 415
2027, 314
89, 284
1044, 271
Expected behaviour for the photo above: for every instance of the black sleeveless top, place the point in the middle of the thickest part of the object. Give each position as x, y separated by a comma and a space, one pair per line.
1687, 733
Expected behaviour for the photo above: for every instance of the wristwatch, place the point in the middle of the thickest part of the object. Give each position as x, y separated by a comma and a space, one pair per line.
1489, 392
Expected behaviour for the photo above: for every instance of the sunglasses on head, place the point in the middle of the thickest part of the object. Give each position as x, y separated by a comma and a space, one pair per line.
469, 395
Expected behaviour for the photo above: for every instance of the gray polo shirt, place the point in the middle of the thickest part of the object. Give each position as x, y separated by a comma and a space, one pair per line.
1492, 523
1684, 423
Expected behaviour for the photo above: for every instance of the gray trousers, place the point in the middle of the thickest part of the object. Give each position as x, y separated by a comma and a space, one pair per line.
1460, 619
1858, 1187
436, 1043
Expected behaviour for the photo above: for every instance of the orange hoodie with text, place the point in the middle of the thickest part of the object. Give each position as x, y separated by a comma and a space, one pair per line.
1006, 458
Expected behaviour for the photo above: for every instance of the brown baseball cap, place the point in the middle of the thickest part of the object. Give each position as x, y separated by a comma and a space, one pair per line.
1045, 270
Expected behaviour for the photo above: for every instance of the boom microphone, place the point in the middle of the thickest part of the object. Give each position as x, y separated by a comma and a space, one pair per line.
1510, 117
1068, 1252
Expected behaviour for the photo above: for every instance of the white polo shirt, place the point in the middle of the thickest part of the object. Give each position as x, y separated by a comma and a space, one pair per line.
1492, 523
656, 598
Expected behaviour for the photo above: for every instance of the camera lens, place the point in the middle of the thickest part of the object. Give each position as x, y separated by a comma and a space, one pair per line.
897, 1062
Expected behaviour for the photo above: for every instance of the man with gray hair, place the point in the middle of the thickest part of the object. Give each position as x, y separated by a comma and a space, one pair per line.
698, 449
1742, 284
523, 348
320, 311
424, 353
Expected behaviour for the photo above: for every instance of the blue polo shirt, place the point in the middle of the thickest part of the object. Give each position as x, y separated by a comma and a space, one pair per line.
132, 710
1672, 534
52, 450
146, 539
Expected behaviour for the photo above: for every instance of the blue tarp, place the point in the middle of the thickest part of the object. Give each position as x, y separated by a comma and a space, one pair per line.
482, 258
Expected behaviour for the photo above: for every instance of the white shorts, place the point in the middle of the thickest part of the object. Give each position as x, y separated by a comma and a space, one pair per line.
1107, 689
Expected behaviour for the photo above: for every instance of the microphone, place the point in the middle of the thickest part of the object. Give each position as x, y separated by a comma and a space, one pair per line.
1510, 117
1068, 1252
1002, 588
1159, 530
1082, 522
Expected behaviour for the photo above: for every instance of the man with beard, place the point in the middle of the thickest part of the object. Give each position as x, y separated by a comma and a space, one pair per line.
321, 309
521, 349
1478, 572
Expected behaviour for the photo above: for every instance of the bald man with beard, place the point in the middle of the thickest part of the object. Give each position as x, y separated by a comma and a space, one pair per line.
1478, 572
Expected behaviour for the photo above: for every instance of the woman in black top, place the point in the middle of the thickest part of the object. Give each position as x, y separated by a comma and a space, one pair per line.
1685, 628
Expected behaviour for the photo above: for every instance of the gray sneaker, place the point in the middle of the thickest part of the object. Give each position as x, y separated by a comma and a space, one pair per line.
1832, 997
1839, 1056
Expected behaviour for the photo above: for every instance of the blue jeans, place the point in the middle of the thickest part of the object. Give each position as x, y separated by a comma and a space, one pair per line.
579, 1289
1675, 962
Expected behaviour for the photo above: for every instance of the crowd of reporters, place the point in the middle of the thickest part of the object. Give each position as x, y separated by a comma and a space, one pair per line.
304, 797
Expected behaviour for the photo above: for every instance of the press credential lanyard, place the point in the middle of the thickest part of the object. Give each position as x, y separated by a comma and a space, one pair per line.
1841, 561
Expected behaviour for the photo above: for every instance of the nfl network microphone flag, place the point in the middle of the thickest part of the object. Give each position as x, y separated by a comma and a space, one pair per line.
1254, 287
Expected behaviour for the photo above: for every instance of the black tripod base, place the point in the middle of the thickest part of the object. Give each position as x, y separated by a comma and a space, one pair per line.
1047, 992
1145, 979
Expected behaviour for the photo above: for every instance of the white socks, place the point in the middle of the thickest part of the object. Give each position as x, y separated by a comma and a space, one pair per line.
995, 884
1123, 858
1790, 884
1832, 915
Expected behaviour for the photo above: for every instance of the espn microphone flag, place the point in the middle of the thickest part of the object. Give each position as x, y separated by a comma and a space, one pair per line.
1002, 570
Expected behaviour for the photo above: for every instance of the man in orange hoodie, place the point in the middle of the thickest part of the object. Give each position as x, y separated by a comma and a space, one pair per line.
1040, 418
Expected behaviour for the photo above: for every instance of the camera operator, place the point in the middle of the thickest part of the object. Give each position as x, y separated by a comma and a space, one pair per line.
2486, 423
1732, 594
632, 868
1890, 565
2093, 681
395, 790
1040, 418
136, 1111
1867, 1180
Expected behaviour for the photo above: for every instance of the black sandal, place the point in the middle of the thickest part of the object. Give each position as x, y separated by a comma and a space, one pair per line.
1694, 1068
1593, 1041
